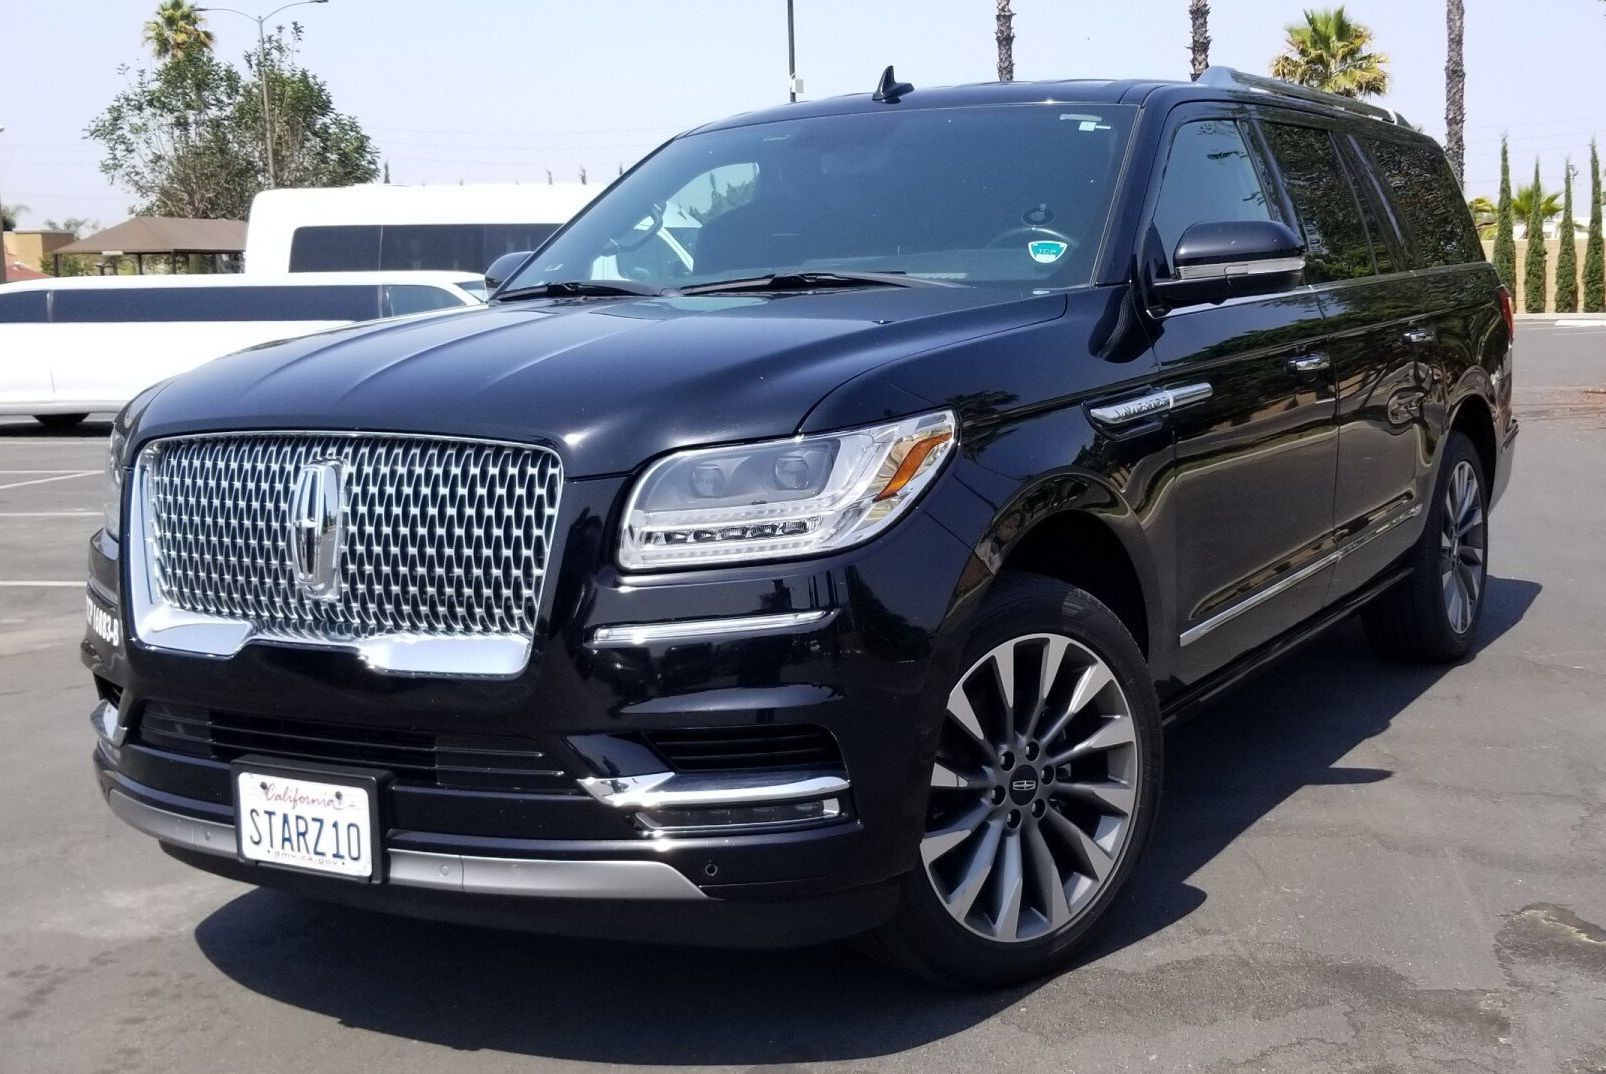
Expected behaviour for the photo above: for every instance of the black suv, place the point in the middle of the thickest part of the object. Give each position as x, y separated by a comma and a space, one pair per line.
812, 539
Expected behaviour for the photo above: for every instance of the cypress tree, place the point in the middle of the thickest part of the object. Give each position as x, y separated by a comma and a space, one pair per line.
1567, 256
1594, 247
1533, 261
1505, 244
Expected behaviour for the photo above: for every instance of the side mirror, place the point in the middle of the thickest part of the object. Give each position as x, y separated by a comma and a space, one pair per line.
1215, 261
503, 268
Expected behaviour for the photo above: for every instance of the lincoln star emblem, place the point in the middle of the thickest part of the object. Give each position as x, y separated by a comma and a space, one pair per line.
317, 529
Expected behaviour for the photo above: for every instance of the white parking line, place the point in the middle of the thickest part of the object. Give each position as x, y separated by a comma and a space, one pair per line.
49, 514
41, 585
61, 470
48, 480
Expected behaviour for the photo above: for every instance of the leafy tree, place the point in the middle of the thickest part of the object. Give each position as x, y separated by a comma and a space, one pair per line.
176, 31
1594, 246
187, 138
1567, 256
1483, 213
1455, 88
9, 215
74, 225
1329, 52
1004, 35
1199, 36
1533, 261
1505, 242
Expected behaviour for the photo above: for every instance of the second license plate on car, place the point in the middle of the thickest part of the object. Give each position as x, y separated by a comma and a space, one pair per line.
305, 823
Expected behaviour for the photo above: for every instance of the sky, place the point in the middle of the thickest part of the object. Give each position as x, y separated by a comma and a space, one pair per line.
503, 90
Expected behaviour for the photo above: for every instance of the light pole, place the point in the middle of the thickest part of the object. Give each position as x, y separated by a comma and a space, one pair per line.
262, 74
4, 260
791, 55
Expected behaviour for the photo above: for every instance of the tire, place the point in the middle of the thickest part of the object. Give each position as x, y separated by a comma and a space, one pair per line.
1432, 615
1078, 828
59, 421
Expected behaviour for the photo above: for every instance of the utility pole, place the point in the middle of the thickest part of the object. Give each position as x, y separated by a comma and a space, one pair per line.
791, 54
262, 76
5, 259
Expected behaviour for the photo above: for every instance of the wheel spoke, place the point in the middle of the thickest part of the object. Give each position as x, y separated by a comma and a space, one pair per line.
1107, 796
1469, 583
1113, 733
1091, 682
1471, 555
1053, 659
1008, 888
1048, 886
1004, 672
963, 715
939, 843
1093, 860
977, 870
1471, 521
947, 777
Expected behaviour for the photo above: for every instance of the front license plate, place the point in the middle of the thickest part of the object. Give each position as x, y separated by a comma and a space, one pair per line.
303, 823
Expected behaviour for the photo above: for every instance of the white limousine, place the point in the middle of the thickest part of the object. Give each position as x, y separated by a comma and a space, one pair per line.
75, 346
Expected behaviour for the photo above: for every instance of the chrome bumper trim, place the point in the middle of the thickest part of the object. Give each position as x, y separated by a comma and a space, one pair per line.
670, 790
629, 635
525, 877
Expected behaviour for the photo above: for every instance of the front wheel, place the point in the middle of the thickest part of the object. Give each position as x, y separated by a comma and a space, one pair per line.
1042, 792
1432, 614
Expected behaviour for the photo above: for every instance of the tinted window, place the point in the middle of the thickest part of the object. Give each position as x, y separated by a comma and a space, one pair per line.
1209, 177
410, 247
1335, 238
334, 249
353, 302
19, 307
401, 299
1427, 203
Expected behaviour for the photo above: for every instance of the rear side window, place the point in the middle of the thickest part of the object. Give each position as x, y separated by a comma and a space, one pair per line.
24, 307
346, 302
410, 247
1335, 238
1427, 202
1209, 177
401, 299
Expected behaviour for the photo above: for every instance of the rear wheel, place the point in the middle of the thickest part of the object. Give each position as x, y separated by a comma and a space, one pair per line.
59, 421
1043, 791
1432, 615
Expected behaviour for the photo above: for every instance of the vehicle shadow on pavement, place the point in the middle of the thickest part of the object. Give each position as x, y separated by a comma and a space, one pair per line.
614, 1003
27, 427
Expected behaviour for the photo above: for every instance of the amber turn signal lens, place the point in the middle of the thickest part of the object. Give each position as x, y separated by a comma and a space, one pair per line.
911, 464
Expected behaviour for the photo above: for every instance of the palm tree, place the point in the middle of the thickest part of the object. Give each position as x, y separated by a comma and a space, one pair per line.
176, 31
1522, 202
9, 215
1484, 213
1005, 35
1329, 52
1199, 18
1455, 89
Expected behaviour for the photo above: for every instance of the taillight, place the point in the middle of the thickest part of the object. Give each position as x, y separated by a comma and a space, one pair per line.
1507, 312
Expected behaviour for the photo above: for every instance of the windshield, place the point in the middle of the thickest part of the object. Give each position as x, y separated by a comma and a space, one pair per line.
1012, 195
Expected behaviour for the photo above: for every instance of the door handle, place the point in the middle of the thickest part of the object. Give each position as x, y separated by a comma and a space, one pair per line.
1306, 364
1420, 335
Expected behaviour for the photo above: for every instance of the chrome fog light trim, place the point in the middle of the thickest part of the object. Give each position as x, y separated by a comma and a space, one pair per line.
108, 723
672, 790
629, 635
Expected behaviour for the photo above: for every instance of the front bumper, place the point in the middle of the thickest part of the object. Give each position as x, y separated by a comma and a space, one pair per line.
577, 855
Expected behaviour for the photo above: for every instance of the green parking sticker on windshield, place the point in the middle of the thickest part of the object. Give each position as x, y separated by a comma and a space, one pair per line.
1046, 251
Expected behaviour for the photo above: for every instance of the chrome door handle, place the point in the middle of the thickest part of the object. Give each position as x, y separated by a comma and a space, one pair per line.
1420, 335
1306, 364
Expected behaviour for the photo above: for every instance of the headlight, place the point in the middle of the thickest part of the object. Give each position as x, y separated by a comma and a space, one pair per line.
112, 483
782, 498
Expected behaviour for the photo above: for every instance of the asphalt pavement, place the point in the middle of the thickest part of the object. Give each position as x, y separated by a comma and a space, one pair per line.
1358, 866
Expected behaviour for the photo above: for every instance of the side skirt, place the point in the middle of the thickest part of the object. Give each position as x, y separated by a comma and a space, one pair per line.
1187, 703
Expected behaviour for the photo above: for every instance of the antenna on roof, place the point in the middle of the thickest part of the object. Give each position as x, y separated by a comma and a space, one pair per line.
890, 88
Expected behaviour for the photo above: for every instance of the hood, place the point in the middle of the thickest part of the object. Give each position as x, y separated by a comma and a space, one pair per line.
607, 383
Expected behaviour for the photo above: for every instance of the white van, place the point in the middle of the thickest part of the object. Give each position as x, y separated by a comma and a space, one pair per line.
380, 226
71, 347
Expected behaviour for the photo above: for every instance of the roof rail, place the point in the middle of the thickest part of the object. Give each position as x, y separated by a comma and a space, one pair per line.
1231, 78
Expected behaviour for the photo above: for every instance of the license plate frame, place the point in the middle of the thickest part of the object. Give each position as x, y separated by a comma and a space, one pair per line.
370, 782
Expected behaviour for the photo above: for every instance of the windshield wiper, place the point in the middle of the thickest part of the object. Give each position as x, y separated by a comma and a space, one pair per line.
581, 288
812, 281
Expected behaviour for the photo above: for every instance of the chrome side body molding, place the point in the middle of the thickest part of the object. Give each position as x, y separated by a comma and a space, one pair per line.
1145, 406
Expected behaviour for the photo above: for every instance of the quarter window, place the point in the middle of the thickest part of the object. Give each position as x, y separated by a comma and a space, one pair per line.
1335, 238
345, 302
23, 307
1427, 202
1209, 178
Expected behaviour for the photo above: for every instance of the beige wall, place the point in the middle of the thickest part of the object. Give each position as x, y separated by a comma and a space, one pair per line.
33, 248
1552, 249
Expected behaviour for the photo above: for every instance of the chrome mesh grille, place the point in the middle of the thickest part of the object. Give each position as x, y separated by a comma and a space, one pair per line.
443, 538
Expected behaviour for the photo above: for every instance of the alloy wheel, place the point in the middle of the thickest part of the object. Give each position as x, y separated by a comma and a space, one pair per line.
1463, 544
1034, 789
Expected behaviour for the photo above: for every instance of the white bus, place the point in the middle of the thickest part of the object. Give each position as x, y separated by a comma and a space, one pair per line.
72, 347
386, 227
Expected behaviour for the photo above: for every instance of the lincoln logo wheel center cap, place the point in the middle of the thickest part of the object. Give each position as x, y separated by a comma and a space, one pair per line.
1023, 784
